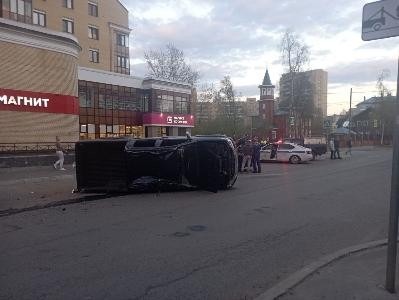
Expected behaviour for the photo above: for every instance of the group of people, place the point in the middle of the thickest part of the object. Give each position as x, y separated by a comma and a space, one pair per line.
334, 148
248, 151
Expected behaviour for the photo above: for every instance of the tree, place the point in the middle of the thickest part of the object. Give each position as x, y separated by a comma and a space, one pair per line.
382, 89
170, 64
294, 53
294, 56
384, 110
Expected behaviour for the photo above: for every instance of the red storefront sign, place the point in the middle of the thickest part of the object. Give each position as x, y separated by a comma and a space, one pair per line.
14, 100
165, 119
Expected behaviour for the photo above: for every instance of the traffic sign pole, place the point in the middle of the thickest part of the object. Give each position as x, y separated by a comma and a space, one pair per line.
393, 207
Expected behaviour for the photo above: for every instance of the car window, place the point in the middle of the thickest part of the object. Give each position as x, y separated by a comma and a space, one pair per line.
285, 147
267, 147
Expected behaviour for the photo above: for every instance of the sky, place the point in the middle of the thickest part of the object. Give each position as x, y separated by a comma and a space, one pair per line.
241, 38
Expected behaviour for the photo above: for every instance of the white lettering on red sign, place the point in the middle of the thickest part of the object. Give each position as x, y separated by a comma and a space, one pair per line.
177, 120
24, 101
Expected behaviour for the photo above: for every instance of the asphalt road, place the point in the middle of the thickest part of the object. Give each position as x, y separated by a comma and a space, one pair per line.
197, 245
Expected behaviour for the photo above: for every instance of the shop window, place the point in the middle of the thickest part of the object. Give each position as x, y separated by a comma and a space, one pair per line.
181, 131
94, 55
108, 100
67, 26
122, 130
39, 18
82, 94
91, 131
103, 130
137, 131
83, 131
115, 129
93, 9
93, 33
91, 91
67, 3
101, 98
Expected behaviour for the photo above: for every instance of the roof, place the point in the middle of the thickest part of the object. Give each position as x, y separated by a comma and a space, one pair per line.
120, 2
343, 130
266, 79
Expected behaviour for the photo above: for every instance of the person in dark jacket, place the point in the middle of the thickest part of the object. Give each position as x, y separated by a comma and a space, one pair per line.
336, 146
247, 150
256, 157
240, 155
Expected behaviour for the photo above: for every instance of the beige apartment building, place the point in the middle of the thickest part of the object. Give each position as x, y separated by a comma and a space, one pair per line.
310, 84
101, 27
90, 84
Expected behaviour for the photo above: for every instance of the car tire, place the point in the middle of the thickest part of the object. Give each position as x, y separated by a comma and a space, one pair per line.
295, 159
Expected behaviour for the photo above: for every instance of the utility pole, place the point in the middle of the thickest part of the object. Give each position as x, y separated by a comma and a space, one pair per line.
292, 121
350, 114
393, 207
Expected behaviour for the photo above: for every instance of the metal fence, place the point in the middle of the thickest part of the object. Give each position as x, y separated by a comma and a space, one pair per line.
12, 148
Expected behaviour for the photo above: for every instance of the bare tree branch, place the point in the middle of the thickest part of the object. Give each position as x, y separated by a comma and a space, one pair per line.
170, 64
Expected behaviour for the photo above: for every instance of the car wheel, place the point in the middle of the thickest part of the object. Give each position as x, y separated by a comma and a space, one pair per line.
295, 159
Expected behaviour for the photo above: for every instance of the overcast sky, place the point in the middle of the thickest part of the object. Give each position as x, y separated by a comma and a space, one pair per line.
241, 39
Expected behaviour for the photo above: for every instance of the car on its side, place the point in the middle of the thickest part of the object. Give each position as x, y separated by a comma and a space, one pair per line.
285, 152
153, 164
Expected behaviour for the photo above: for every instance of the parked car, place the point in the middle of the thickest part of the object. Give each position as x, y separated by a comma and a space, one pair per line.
285, 152
152, 164
318, 144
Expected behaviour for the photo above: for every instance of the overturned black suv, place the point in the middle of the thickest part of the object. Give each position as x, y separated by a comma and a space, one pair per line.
155, 164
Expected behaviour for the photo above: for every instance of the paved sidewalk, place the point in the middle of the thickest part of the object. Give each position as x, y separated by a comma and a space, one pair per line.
32, 186
358, 276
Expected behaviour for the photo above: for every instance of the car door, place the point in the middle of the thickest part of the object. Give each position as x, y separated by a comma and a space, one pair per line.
265, 153
284, 152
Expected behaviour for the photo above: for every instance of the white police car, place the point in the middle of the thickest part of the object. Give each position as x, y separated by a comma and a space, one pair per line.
285, 152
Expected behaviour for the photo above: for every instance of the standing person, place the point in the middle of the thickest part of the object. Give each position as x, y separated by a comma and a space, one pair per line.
256, 157
336, 146
240, 155
247, 150
349, 145
59, 151
332, 148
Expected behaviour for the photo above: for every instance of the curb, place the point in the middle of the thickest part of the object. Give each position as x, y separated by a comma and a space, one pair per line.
36, 179
281, 288
85, 198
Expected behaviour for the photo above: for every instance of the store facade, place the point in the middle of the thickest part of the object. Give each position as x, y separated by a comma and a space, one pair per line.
116, 105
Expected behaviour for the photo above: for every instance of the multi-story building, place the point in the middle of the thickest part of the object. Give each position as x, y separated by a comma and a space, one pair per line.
111, 102
309, 86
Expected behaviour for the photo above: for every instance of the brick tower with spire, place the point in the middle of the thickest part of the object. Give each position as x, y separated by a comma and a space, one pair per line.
266, 102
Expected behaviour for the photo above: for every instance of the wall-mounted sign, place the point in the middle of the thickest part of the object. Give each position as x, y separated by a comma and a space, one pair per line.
24, 101
165, 119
